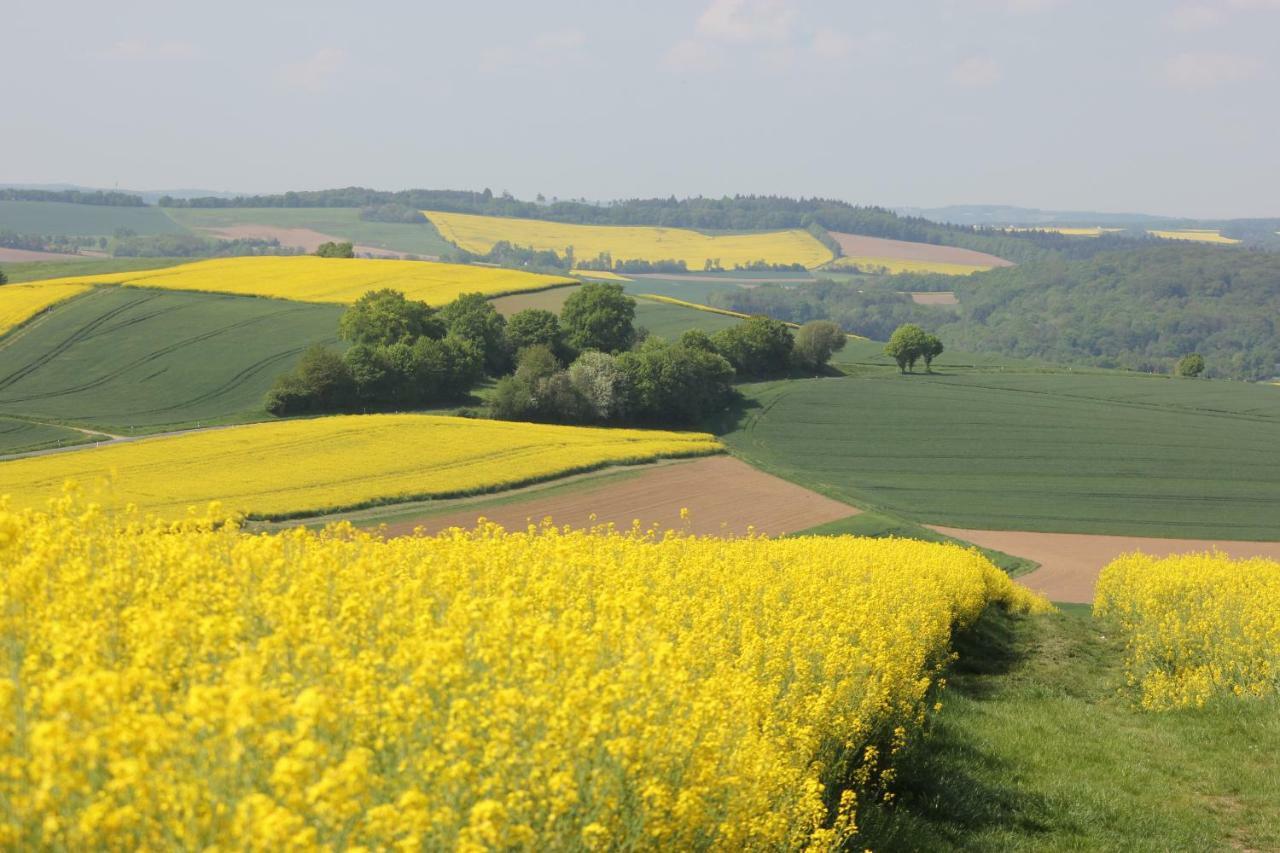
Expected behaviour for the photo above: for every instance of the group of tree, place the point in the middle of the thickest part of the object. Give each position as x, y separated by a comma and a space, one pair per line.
591, 365
402, 353
336, 249
588, 364
105, 198
910, 343
655, 382
507, 254
873, 308
1191, 365
192, 246
62, 243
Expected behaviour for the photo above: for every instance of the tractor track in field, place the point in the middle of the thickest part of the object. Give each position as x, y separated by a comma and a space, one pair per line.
151, 356
230, 385
111, 376
83, 333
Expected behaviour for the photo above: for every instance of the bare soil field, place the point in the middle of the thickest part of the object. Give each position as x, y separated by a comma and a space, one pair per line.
856, 245
724, 496
938, 298
15, 256
548, 300
1070, 562
296, 238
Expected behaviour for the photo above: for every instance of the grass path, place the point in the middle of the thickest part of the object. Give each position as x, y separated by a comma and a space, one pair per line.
1038, 748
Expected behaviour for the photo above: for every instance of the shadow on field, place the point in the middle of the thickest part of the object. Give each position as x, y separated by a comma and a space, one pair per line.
740, 409
949, 787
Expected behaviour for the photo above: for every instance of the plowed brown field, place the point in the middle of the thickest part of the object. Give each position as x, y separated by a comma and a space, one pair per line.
724, 496
1070, 562
856, 245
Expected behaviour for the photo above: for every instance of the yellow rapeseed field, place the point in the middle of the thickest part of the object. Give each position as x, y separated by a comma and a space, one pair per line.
893, 266
182, 686
479, 233
21, 302
1195, 235
306, 278
296, 467
1198, 626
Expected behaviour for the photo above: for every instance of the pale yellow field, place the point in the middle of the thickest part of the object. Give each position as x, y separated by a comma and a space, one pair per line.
1195, 235
299, 467
600, 274
310, 279
21, 302
479, 233
1095, 231
893, 266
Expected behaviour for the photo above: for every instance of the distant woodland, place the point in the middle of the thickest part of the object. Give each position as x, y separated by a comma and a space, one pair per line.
1141, 308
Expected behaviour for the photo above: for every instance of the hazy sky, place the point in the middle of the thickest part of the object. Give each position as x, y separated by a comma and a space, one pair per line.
1164, 107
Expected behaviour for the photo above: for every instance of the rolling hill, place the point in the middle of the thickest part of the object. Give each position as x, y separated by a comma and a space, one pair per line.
136, 360
1018, 450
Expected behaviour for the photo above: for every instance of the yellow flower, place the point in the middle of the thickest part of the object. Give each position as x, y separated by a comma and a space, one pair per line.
189, 684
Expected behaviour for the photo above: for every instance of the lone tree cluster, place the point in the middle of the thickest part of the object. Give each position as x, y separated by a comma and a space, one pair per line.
909, 344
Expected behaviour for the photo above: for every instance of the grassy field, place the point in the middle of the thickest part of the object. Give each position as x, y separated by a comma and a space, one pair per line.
131, 359
39, 270
18, 436
1091, 453
62, 218
343, 222
1038, 747
671, 321
307, 467
479, 233
690, 291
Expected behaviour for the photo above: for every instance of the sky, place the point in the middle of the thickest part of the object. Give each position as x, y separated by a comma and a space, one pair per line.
1155, 106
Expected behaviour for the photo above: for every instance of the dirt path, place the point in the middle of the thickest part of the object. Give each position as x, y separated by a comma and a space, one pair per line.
724, 496
108, 438
856, 245
1070, 562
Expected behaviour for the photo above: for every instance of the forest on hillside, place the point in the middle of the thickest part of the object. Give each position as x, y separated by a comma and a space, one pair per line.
1141, 309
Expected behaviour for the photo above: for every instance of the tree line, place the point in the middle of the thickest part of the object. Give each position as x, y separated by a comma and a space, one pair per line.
587, 364
105, 198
